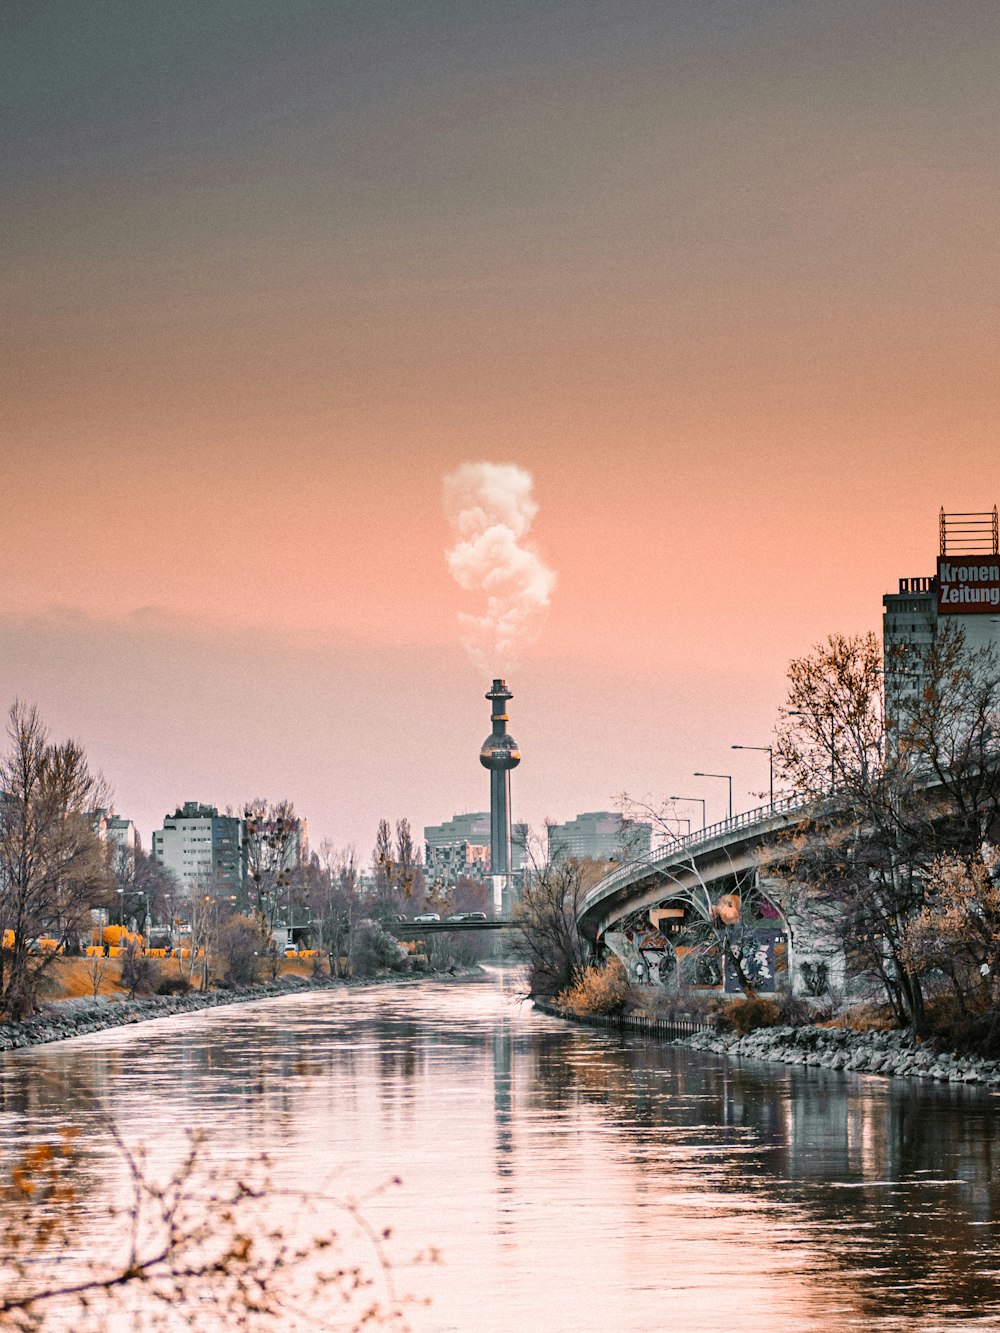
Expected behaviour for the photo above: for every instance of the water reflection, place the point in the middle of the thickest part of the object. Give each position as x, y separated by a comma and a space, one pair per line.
573, 1180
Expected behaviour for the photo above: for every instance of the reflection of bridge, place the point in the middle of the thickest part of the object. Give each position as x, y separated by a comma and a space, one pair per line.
695, 871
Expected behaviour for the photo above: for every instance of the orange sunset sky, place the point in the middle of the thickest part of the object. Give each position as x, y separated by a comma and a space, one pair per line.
721, 276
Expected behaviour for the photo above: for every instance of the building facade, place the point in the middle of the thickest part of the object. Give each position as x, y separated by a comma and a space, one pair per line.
202, 849
461, 846
964, 593
599, 835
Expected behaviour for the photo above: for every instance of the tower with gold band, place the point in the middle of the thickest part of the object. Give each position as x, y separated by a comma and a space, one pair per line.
499, 753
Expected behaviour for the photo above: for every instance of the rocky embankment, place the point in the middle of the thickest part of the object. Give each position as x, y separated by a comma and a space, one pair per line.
887, 1053
73, 1018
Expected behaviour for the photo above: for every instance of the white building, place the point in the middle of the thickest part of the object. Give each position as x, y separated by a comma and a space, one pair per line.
202, 849
120, 830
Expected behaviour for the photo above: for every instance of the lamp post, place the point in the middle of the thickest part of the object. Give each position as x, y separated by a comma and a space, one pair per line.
700, 801
677, 837
726, 777
770, 762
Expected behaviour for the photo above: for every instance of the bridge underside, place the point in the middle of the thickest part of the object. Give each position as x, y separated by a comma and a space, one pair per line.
718, 917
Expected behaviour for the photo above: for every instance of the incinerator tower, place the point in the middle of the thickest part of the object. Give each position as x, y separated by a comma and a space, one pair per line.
500, 754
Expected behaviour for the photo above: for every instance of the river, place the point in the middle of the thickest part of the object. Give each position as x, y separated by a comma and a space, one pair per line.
569, 1179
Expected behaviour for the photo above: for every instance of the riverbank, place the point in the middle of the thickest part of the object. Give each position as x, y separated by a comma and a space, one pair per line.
78, 1017
891, 1054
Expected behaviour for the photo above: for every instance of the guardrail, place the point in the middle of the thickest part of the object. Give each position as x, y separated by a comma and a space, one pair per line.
407, 928
690, 842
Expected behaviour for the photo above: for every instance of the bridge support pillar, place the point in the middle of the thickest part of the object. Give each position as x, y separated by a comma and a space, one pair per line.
628, 955
816, 962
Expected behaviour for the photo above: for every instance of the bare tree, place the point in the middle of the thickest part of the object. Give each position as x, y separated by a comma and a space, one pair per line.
139, 972
271, 850
96, 966
956, 936
382, 856
546, 914
388, 901
141, 887
239, 946
199, 1246
52, 862
205, 926
888, 798
408, 874
336, 905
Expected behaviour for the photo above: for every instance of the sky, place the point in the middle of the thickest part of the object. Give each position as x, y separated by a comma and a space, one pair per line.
722, 277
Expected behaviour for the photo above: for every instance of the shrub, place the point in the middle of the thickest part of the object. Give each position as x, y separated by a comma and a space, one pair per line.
173, 986
744, 1015
866, 1018
975, 1033
241, 942
374, 950
600, 990
139, 973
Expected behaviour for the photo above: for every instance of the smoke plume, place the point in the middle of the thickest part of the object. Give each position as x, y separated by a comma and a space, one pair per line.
490, 509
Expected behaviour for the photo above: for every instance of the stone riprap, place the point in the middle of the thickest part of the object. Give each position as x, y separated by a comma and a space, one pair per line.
74, 1018
886, 1053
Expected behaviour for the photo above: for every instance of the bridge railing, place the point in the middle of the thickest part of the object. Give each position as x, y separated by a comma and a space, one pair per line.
668, 1027
689, 843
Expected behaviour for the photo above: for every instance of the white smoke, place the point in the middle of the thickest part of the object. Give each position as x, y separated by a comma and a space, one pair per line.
490, 509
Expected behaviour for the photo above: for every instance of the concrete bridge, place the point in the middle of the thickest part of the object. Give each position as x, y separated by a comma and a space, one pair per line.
405, 930
636, 908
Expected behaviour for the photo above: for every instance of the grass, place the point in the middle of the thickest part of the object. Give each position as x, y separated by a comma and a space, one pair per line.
68, 978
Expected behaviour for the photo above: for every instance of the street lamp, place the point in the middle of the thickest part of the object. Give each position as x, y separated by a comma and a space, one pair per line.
677, 837
770, 761
700, 801
728, 778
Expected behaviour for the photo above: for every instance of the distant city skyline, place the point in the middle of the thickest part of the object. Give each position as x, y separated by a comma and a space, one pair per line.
721, 278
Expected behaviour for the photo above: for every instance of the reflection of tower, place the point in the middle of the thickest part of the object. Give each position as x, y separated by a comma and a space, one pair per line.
500, 754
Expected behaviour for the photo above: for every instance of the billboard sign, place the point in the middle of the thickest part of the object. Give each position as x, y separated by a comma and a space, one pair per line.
968, 585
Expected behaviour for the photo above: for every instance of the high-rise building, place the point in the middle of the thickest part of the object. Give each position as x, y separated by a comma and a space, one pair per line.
202, 849
965, 592
461, 846
600, 835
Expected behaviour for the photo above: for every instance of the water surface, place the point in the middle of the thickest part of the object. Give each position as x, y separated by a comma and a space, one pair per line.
569, 1178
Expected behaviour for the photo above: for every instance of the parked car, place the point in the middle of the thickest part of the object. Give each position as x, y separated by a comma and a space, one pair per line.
427, 916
